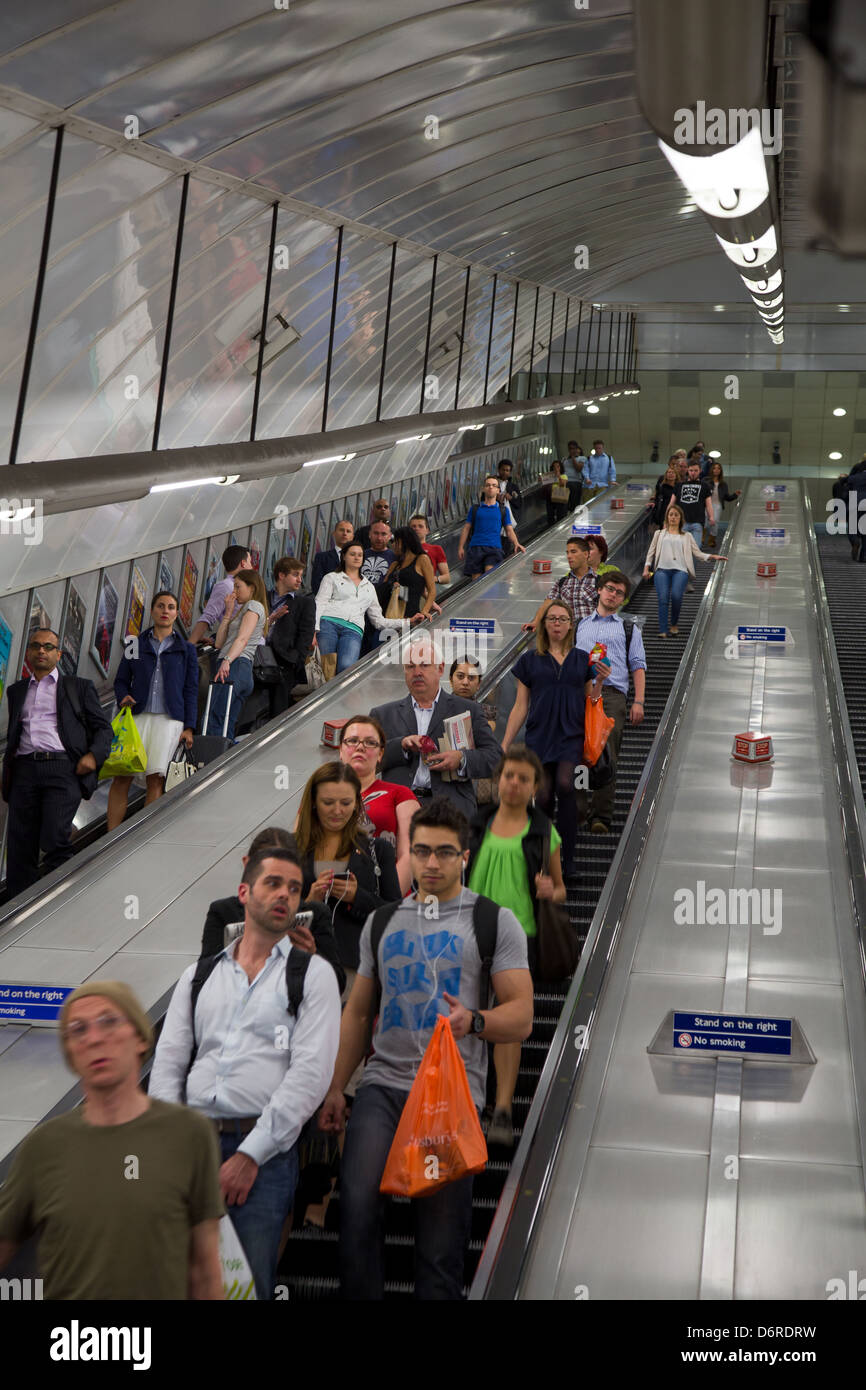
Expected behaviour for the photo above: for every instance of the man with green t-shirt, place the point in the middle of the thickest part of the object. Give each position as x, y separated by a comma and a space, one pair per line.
124, 1191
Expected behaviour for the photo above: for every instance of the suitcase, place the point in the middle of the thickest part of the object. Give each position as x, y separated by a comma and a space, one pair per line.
206, 747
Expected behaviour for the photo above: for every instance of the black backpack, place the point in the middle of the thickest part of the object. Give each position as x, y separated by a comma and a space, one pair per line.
297, 963
628, 623
485, 922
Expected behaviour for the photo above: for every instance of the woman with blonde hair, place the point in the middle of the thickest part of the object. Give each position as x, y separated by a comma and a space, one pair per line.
671, 557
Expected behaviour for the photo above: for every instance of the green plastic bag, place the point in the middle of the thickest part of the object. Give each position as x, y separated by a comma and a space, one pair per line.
127, 757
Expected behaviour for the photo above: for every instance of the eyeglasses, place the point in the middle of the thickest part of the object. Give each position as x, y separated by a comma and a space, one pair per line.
552, 619
445, 854
105, 1024
42, 646
613, 589
361, 743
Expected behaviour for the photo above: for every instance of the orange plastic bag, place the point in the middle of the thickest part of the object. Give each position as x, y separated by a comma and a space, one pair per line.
596, 728
439, 1138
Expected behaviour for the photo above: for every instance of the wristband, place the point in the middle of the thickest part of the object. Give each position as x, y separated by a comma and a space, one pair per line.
638, 702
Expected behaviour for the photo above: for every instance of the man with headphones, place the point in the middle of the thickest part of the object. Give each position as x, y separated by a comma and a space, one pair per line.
425, 964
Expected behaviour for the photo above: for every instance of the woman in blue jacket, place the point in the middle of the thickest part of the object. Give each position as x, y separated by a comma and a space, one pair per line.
160, 685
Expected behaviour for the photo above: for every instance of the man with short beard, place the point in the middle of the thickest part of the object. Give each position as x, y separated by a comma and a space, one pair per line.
258, 1071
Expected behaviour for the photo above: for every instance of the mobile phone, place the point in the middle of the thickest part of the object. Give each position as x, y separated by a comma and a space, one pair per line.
302, 919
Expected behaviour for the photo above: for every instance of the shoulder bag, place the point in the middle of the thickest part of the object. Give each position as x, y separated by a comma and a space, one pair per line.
558, 946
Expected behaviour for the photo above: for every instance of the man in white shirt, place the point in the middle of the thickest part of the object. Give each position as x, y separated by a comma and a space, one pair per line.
258, 1071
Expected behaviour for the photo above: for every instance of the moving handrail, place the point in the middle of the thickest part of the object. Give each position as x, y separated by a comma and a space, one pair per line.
508, 1246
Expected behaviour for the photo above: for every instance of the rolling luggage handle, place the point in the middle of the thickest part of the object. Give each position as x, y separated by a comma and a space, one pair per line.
206, 715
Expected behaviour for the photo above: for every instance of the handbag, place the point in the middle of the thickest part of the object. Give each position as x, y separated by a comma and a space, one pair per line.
313, 670
558, 946
559, 492
266, 668
396, 605
180, 768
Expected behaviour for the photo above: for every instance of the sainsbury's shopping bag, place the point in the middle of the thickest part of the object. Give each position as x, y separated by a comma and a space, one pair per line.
127, 757
596, 729
238, 1281
439, 1137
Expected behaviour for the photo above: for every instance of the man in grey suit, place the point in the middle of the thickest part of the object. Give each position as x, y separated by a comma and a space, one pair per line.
423, 711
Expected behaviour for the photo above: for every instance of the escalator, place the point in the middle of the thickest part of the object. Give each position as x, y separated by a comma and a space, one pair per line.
310, 1261
845, 588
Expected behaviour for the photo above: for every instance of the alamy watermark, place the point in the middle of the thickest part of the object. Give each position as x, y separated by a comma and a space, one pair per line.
721, 907
22, 516
714, 126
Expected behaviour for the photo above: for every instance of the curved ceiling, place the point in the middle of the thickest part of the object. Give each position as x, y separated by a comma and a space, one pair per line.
503, 133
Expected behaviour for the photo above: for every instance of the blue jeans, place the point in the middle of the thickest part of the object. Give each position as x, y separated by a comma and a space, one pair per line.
696, 529
259, 1222
240, 678
442, 1220
342, 640
670, 587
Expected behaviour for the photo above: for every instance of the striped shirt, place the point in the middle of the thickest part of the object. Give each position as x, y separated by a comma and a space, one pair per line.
611, 631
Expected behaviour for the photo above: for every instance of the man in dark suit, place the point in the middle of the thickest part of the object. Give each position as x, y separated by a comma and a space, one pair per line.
57, 741
423, 711
327, 561
293, 625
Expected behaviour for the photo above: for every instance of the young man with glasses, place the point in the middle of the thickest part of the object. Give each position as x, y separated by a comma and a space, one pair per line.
625, 652
123, 1191
57, 740
426, 964
577, 588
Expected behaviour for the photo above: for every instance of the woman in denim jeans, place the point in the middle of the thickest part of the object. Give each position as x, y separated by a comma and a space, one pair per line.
342, 603
673, 551
237, 637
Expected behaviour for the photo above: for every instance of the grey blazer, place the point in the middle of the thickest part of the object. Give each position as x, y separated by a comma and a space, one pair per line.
398, 720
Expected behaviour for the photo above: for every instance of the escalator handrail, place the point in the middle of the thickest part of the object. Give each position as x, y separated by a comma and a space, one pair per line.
504, 1258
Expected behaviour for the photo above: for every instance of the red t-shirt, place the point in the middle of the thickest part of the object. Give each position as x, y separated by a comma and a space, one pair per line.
436, 554
381, 800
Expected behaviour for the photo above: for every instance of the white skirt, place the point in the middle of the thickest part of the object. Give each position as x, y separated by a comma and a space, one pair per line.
160, 736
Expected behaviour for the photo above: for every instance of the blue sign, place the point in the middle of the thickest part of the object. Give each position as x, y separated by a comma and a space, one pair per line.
580, 530
32, 1003
638, 487
769, 533
762, 634
473, 625
774, 487
731, 1033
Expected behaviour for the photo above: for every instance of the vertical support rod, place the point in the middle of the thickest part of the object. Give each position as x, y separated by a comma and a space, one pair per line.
550, 343
532, 344
462, 335
609, 345
429, 332
564, 346
577, 345
330, 361
490, 337
169, 319
597, 350
265, 307
513, 335
37, 296
588, 345
616, 353
385, 338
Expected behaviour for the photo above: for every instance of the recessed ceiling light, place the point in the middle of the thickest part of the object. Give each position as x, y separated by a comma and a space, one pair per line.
592, 409
835, 454
715, 453
719, 308
714, 410
840, 410
844, 308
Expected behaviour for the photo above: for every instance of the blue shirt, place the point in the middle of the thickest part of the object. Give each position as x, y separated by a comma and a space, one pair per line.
611, 631
487, 524
574, 467
554, 724
156, 694
599, 470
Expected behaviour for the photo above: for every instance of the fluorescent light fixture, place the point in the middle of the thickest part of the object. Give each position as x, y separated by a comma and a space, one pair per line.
520, 417
731, 183
835, 454
544, 412
411, 438
844, 308
482, 426
840, 410
715, 453
763, 286
714, 410
17, 514
194, 482
544, 450
592, 410
757, 252
768, 303
565, 407
689, 207
332, 458
719, 308
602, 398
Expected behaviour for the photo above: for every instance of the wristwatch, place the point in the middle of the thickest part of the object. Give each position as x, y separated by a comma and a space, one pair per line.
478, 1021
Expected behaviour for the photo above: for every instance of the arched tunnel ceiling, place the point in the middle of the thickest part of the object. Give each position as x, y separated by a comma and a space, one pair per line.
540, 146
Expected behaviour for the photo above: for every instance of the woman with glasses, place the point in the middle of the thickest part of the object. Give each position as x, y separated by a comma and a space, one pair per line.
671, 554
344, 866
552, 685
160, 686
389, 807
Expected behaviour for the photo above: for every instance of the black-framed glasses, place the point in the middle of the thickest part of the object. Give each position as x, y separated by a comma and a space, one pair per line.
42, 646
361, 742
445, 854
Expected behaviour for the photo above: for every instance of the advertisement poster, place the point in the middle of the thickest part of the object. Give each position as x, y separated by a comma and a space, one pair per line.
212, 570
186, 603
404, 504
5, 652
323, 528
413, 500
290, 543
346, 508
274, 550
453, 502
447, 496
165, 578
73, 632
39, 617
258, 538
306, 539
106, 619
137, 602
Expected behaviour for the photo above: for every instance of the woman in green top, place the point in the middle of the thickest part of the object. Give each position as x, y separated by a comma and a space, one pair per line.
505, 864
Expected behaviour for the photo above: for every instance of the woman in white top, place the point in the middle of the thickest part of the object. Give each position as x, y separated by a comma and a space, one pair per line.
343, 601
673, 551
237, 637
